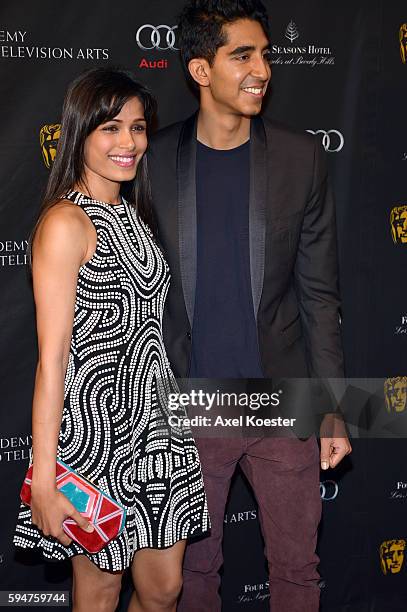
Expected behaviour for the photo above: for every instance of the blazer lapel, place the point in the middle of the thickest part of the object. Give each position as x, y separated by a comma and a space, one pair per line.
186, 164
257, 207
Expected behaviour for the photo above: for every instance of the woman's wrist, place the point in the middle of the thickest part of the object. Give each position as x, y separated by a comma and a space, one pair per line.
43, 479
43, 496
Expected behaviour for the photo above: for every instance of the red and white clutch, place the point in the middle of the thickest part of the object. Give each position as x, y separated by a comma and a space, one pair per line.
106, 514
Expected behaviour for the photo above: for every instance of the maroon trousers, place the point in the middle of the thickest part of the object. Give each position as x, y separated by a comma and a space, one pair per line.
284, 475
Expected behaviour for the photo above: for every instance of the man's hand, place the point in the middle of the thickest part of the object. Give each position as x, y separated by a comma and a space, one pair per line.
334, 441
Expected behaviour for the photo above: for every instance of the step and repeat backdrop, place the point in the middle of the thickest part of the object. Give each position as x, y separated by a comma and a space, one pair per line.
339, 71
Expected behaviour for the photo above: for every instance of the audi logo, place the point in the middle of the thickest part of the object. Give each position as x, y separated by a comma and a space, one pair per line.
329, 490
332, 140
155, 37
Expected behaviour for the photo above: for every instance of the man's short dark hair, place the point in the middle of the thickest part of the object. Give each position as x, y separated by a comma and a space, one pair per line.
201, 25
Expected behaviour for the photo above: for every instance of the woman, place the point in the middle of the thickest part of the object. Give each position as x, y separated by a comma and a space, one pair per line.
100, 283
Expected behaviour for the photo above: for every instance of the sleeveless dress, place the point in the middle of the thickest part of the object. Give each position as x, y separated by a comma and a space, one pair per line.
114, 428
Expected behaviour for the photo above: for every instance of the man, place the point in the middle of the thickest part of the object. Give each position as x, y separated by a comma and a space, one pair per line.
247, 223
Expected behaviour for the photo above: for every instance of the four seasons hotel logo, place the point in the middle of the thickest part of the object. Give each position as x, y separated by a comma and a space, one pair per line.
49, 136
292, 32
300, 50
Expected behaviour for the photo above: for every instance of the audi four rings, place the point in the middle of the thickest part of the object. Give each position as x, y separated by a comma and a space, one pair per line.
329, 490
154, 36
332, 140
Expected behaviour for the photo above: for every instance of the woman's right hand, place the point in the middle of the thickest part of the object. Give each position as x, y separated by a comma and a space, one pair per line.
50, 508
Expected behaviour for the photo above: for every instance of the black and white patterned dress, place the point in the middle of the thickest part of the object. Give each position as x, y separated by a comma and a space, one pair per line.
114, 428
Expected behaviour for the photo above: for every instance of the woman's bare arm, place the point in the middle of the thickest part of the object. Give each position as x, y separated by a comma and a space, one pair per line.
60, 247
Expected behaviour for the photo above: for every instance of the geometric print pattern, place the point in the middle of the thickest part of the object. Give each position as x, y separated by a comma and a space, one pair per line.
114, 428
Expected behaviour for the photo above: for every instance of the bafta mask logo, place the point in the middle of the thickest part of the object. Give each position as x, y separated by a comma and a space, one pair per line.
403, 42
49, 136
392, 556
395, 393
398, 224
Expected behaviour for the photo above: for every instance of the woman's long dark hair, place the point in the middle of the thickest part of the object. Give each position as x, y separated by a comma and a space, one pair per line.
97, 96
